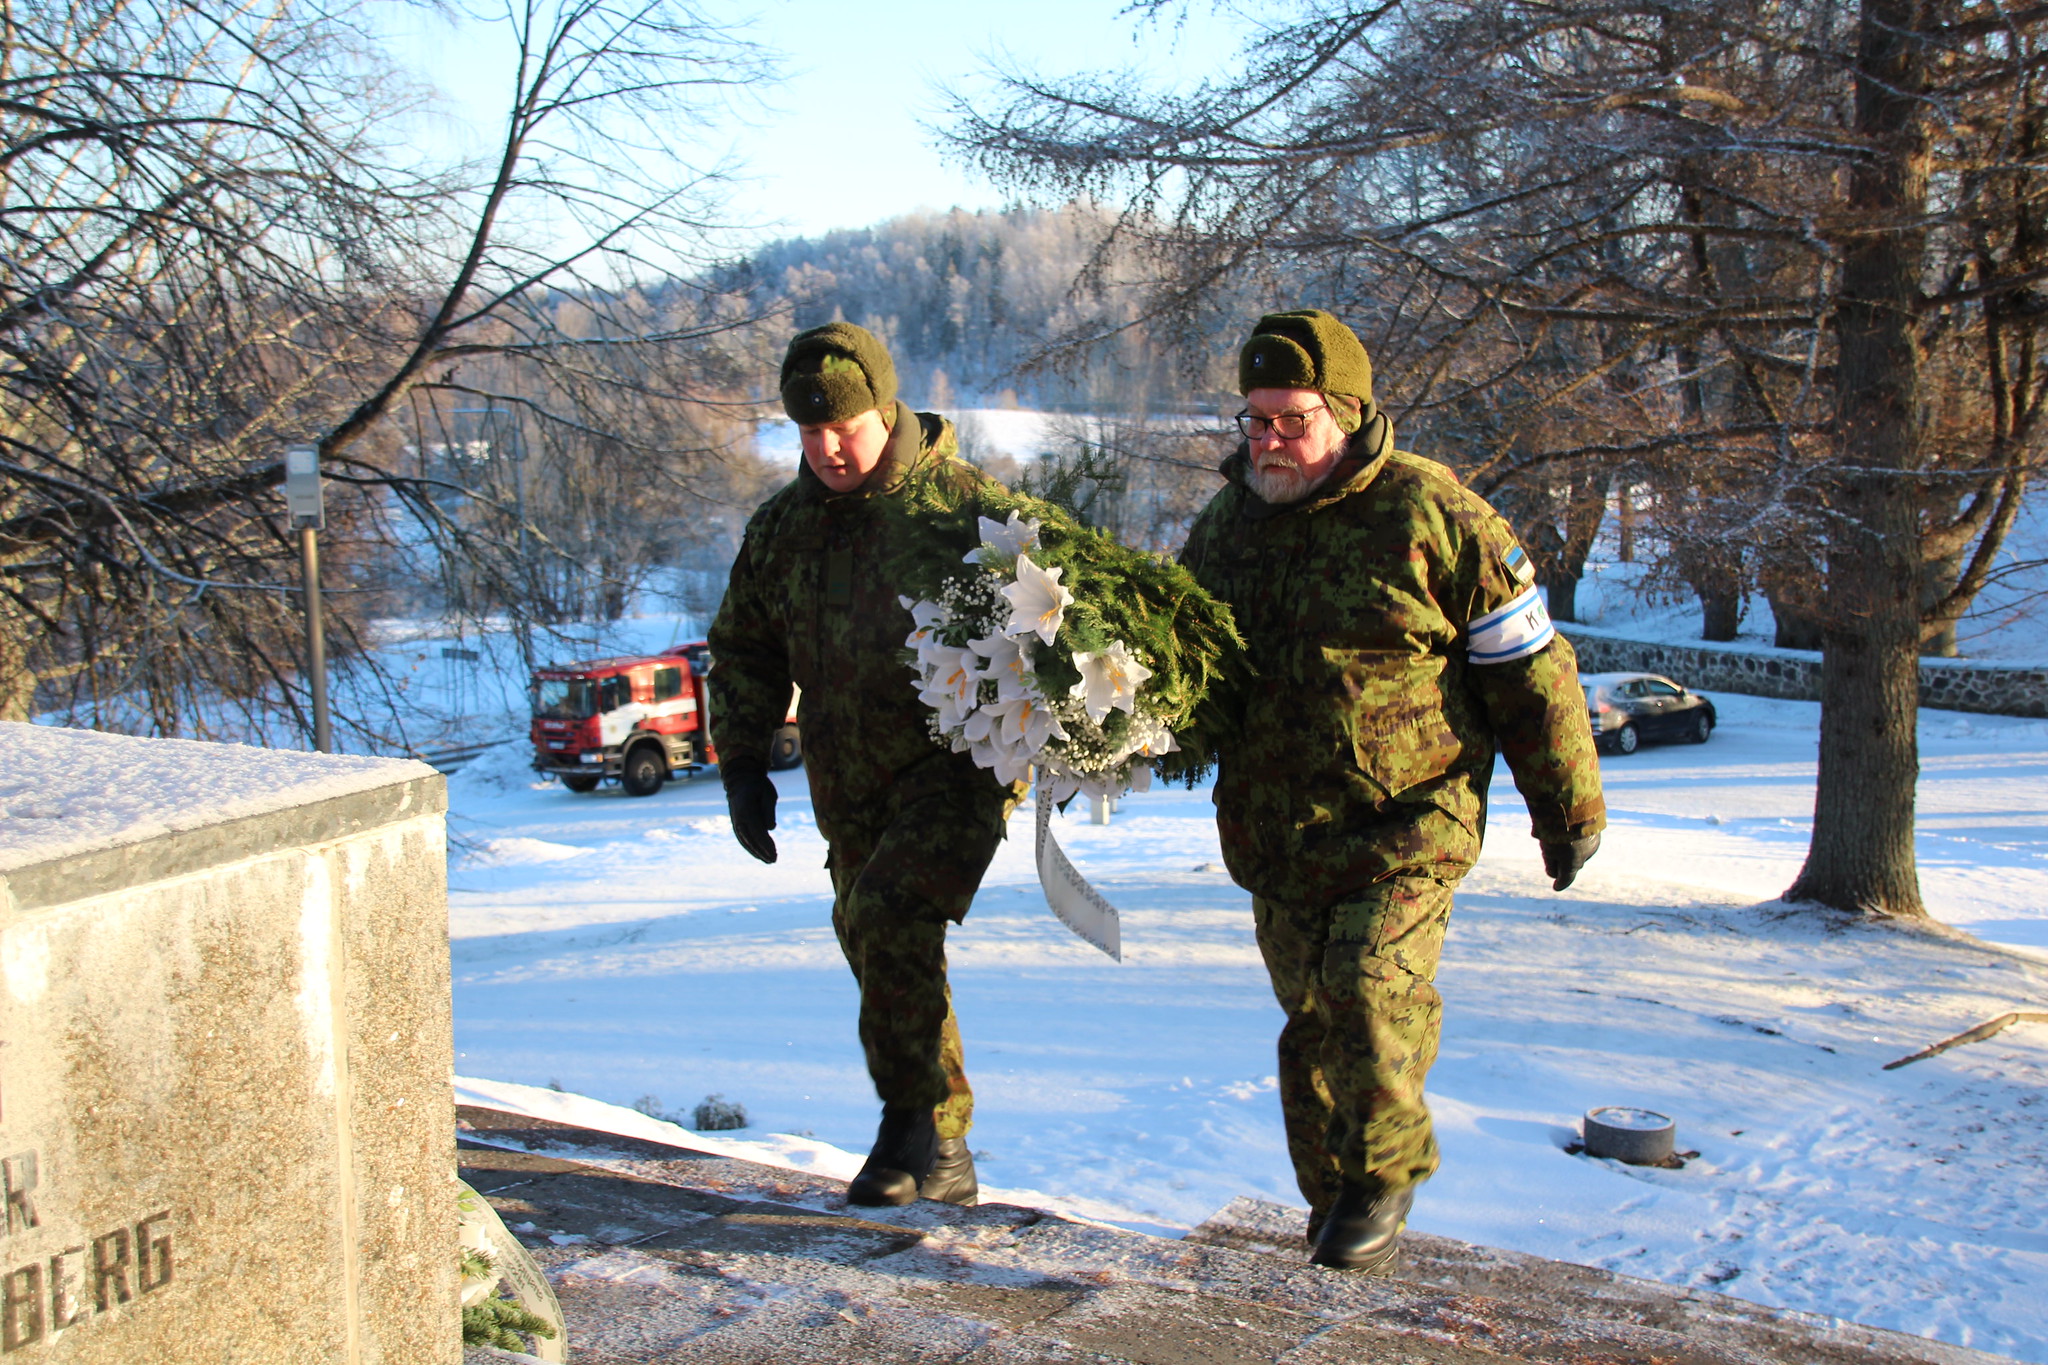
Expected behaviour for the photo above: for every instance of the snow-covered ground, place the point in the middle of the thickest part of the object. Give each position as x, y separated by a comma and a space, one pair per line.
627, 948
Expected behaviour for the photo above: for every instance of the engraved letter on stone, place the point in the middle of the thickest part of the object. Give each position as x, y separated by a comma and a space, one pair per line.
110, 1265
153, 1253
18, 1176
65, 1309
21, 1307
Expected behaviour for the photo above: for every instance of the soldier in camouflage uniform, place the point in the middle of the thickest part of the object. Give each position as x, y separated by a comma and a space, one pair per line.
911, 827
1397, 639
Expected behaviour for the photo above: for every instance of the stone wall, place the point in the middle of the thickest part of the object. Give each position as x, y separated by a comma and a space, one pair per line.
226, 1122
1945, 684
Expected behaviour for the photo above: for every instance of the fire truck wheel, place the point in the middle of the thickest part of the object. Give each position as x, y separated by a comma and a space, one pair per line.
580, 782
644, 771
787, 749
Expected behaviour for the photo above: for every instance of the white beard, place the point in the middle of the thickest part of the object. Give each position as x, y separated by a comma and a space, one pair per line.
1283, 483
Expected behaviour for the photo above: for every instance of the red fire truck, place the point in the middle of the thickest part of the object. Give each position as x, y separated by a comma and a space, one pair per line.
641, 719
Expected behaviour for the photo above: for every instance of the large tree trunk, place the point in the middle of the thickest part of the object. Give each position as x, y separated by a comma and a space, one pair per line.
1720, 612
1564, 565
1562, 591
1716, 578
1794, 583
1796, 624
1862, 856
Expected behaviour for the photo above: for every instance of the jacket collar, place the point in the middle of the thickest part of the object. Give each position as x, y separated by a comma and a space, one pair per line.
1365, 455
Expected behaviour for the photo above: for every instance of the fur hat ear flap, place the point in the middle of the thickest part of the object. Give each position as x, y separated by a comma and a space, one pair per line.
1348, 412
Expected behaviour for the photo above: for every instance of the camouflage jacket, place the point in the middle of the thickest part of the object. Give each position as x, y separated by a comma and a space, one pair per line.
1396, 635
812, 601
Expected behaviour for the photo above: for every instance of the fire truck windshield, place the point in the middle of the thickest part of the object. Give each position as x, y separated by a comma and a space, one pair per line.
577, 698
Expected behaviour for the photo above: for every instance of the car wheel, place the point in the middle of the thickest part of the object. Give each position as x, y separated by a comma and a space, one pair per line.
1701, 728
580, 782
1626, 739
786, 750
644, 771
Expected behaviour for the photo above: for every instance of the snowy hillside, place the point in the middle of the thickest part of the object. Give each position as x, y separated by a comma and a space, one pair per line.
627, 948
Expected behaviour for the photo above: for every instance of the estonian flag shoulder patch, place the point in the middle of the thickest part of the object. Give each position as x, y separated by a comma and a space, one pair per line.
1518, 566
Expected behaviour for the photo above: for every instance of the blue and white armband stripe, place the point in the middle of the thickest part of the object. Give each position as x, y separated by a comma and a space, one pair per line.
1512, 632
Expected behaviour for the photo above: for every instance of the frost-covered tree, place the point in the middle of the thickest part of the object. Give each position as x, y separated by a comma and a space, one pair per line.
215, 242
1780, 258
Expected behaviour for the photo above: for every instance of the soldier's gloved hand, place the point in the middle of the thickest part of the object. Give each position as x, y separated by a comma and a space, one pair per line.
750, 797
1562, 859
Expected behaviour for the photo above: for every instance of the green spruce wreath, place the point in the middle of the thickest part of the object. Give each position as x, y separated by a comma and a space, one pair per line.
1165, 618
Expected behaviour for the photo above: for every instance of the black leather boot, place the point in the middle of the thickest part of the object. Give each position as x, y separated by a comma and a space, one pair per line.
906, 1148
1363, 1230
952, 1178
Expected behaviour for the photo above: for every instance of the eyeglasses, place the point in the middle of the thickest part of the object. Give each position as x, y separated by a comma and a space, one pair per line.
1288, 426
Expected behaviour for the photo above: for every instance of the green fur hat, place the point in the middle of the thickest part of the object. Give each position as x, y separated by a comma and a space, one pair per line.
835, 372
1309, 349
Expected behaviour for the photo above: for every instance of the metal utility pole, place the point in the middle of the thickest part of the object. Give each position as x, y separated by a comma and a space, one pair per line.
303, 499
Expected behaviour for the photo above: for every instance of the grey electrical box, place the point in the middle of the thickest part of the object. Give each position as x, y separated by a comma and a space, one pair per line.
302, 487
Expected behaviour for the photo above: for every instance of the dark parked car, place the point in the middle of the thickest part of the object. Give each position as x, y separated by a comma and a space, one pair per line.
1631, 709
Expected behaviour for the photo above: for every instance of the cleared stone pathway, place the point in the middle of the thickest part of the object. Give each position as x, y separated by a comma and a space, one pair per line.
664, 1256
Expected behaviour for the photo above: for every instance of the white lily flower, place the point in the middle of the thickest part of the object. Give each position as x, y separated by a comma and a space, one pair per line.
1028, 723
1109, 678
1146, 738
1159, 741
952, 713
929, 616
1009, 663
1011, 765
953, 679
1037, 601
980, 725
1003, 541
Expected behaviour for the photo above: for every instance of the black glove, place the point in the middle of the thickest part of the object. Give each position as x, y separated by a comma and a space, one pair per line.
1561, 860
750, 796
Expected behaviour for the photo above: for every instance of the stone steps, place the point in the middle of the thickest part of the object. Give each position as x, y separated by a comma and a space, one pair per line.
665, 1256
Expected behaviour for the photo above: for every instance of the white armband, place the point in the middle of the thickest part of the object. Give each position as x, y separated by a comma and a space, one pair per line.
1515, 631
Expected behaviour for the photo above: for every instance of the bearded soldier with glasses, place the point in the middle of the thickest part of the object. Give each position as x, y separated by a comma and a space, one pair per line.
1398, 641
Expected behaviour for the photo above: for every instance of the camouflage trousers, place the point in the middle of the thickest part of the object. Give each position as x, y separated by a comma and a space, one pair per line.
1362, 1023
894, 893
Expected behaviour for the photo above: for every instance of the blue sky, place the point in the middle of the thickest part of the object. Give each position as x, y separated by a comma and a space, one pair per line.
874, 66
